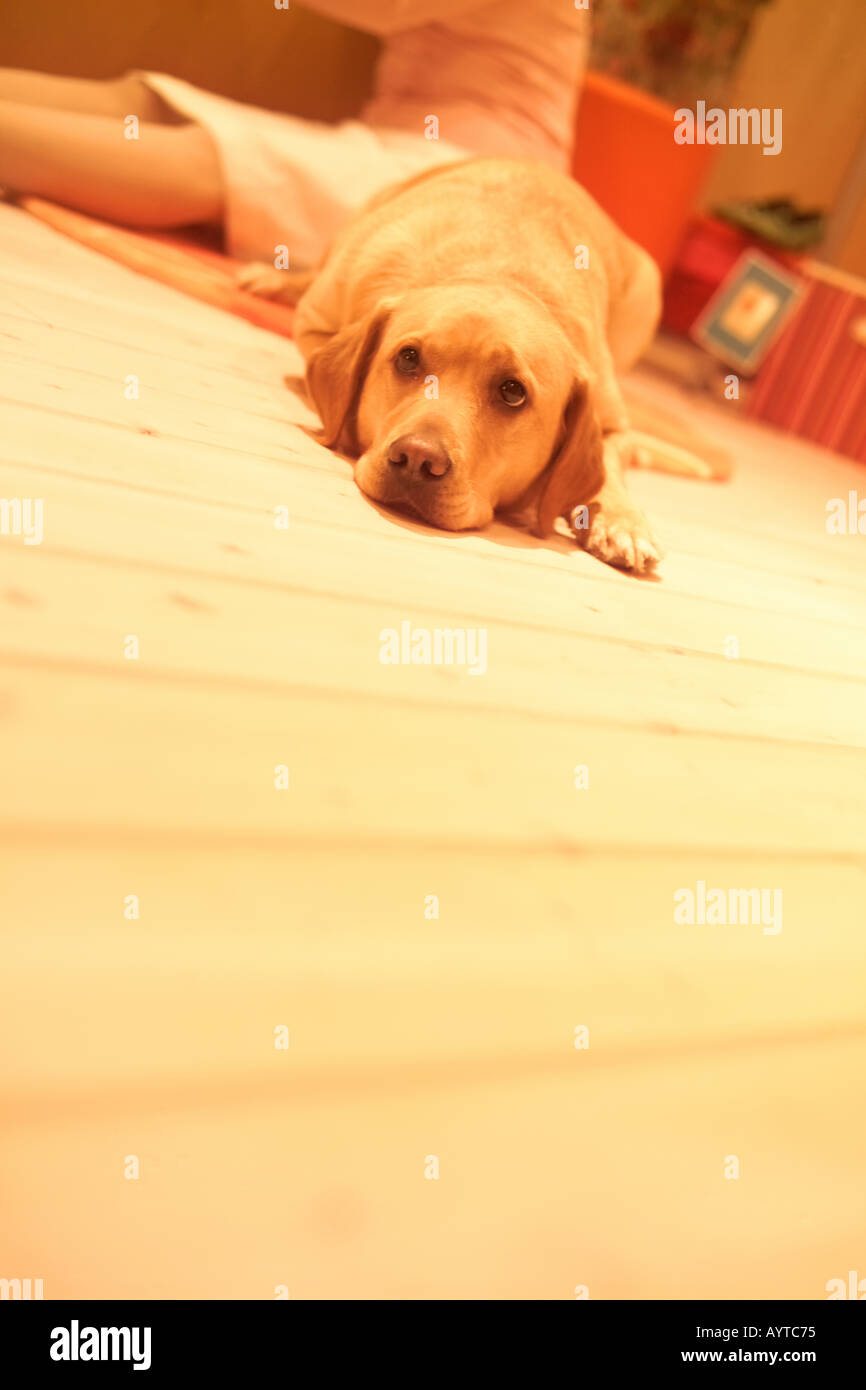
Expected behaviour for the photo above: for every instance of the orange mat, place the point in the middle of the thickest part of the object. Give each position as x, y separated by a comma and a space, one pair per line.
180, 259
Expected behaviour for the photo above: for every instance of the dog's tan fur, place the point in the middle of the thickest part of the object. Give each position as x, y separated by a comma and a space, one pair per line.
478, 267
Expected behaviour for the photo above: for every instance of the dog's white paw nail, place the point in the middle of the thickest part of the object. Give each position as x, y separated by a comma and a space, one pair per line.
624, 543
647, 555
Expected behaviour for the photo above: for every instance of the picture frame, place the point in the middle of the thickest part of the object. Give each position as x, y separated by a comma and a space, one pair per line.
748, 311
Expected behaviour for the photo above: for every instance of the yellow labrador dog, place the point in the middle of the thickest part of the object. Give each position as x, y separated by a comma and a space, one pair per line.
462, 342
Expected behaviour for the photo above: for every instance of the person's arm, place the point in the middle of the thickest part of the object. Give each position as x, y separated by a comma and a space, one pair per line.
385, 17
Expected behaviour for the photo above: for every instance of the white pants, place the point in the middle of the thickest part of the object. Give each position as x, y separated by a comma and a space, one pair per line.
294, 183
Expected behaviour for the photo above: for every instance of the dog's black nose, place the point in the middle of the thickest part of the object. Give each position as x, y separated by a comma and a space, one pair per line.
419, 456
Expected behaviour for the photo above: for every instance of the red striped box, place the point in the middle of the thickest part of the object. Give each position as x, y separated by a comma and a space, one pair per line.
813, 380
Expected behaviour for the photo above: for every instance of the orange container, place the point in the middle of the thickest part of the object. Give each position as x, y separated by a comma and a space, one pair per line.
626, 156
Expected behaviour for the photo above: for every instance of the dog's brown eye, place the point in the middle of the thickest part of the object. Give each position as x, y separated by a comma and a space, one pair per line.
407, 360
512, 392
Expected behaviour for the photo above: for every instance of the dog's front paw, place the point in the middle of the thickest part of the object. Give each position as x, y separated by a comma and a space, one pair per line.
622, 538
261, 279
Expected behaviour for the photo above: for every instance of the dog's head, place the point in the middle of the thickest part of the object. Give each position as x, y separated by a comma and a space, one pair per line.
458, 400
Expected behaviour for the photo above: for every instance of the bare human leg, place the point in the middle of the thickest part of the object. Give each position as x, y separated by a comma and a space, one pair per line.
116, 96
78, 154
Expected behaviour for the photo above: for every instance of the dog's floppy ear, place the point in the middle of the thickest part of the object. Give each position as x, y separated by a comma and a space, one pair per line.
335, 373
576, 471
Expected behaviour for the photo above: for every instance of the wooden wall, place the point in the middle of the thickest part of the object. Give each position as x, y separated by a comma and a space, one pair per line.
290, 60
810, 60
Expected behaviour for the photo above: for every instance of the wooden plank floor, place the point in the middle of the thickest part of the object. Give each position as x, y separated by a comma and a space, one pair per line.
409, 1036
